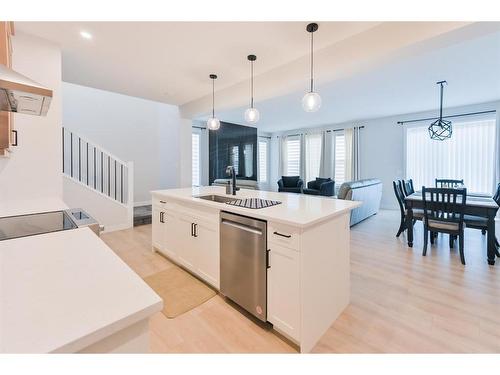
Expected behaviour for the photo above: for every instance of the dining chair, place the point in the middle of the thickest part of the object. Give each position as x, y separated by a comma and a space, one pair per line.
417, 214
481, 223
444, 213
447, 183
408, 187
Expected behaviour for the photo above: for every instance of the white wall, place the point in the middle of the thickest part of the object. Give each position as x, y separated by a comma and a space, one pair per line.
151, 134
33, 170
111, 214
382, 146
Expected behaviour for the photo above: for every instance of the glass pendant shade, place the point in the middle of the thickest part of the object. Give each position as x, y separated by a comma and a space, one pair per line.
311, 102
213, 123
252, 115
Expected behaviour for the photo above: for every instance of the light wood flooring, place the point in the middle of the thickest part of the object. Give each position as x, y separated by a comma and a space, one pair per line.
401, 302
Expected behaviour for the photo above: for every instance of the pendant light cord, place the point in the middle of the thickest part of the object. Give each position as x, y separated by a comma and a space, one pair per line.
213, 98
441, 105
251, 84
312, 61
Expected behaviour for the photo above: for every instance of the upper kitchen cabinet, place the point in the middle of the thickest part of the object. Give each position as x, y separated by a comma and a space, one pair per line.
6, 30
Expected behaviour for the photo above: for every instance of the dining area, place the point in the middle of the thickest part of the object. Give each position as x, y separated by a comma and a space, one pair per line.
446, 209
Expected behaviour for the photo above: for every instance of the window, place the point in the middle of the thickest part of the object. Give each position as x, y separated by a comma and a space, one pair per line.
469, 155
339, 159
293, 156
263, 160
195, 156
313, 156
248, 155
235, 158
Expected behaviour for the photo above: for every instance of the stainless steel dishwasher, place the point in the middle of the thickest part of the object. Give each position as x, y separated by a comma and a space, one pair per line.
243, 262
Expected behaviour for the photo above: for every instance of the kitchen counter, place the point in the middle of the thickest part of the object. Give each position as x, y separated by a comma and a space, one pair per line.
296, 209
306, 271
68, 292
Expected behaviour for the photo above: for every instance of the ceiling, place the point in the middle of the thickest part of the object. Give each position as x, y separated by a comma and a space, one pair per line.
404, 85
170, 61
362, 69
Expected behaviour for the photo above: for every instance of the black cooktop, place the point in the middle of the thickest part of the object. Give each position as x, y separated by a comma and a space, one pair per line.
32, 224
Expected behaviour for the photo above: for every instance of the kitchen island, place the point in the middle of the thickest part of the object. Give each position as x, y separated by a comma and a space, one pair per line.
308, 251
68, 292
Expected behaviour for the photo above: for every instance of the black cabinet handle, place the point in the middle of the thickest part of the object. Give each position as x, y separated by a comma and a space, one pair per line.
283, 235
163, 202
161, 217
196, 230
192, 229
15, 138
268, 264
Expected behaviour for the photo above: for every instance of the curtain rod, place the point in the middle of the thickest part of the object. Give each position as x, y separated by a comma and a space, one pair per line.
450, 116
264, 136
328, 131
198, 127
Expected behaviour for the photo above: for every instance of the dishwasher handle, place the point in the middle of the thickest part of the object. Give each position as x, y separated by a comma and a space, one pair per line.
246, 228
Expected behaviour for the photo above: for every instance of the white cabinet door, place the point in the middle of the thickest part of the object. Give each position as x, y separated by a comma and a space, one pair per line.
171, 235
207, 251
185, 241
283, 288
158, 235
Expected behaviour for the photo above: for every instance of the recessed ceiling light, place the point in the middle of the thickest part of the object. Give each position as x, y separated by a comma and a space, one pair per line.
85, 35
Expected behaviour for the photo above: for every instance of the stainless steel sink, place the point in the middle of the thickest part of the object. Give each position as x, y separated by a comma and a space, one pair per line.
216, 198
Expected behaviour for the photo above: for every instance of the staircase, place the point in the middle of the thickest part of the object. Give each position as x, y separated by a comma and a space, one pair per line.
97, 181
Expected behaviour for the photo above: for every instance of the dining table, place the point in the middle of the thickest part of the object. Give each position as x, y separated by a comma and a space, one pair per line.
476, 205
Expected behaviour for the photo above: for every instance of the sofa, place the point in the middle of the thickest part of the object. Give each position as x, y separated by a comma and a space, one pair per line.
368, 191
321, 186
290, 184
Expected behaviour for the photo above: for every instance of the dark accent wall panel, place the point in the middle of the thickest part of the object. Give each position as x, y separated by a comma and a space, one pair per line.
233, 145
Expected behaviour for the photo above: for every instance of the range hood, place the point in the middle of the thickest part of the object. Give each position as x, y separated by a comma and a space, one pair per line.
22, 95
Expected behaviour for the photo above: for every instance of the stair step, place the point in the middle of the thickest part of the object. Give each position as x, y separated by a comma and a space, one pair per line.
143, 215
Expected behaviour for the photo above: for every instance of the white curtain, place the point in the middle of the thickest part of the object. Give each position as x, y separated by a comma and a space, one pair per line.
326, 168
470, 154
313, 155
282, 153
352, 167
303, 156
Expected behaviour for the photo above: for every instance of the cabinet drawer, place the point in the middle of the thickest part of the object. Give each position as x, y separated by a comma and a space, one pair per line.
284, 235
159, 203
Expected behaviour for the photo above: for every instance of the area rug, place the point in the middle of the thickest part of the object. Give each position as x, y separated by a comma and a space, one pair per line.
179, 290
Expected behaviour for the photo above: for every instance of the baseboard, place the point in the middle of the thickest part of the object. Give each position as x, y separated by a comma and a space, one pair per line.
116, 227
143, 203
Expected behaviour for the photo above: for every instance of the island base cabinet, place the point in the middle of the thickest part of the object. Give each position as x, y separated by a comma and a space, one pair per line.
207, 252
158, 235
170, 230
283, 289
196, 246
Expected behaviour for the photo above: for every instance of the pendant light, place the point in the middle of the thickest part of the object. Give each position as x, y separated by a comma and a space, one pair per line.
213, 122
251, 114
311, 101
440, 129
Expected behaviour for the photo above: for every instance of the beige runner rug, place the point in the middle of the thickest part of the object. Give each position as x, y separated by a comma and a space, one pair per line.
179, 290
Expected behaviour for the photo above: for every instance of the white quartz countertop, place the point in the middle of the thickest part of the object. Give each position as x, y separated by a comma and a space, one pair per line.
296, 209
63, 291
